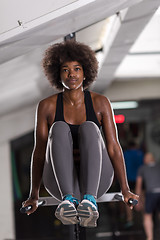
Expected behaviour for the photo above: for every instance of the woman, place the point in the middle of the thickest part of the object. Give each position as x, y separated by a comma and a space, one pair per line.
69, 153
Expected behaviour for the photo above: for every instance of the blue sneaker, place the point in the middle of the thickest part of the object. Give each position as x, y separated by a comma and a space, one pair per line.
88, 211
73, 200
66, 211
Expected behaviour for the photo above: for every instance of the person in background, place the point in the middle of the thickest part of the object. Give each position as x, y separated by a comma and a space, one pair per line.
133, 160
149, 174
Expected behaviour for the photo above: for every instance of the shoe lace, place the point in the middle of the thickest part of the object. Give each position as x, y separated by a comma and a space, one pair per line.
72, 199
90, 198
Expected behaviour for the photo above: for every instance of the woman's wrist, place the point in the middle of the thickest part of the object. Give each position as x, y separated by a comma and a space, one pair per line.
125, 190
34, 195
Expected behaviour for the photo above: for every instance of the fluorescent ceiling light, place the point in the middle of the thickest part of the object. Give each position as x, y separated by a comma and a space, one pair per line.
124, 105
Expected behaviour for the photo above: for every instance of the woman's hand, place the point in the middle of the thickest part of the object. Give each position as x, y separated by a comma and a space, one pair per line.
141, 203
32, 202
127, 195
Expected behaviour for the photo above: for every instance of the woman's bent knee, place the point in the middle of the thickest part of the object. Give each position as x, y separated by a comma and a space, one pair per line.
58, 127
89, 127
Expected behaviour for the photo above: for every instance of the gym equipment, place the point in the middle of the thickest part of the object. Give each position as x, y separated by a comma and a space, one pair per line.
78, 232
108, 197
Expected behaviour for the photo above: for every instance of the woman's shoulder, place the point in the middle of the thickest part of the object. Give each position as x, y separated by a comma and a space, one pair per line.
49, 99
48, 103
99, 98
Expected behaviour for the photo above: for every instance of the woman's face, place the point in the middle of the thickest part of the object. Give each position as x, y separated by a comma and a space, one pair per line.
72, 75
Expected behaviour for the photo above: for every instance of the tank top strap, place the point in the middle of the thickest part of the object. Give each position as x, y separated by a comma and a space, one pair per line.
90, 113
59, 108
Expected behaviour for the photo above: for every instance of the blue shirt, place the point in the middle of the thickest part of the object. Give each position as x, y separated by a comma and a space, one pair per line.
133, 160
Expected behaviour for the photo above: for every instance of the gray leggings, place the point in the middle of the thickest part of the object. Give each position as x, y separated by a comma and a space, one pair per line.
95, 172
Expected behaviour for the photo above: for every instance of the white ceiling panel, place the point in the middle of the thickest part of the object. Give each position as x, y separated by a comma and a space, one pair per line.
26, 11
142, 66
143, 59
149, 39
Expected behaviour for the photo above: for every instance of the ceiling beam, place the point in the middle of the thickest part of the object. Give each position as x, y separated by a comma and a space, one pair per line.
28, 36
128, 31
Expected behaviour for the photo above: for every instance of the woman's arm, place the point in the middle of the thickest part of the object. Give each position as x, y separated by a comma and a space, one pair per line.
38, 156
114, 148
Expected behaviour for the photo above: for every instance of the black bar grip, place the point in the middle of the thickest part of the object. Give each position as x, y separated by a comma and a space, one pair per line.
130, 201
118, 197
29, 207
133, 202
25, 209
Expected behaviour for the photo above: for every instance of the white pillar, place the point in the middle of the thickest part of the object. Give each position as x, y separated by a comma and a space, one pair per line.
12, 126
7, 230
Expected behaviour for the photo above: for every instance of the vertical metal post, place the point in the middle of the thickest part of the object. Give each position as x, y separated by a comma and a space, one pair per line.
82, 233
79, 232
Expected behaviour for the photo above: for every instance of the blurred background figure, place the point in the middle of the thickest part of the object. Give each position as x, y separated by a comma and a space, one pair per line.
134, 159
149, 175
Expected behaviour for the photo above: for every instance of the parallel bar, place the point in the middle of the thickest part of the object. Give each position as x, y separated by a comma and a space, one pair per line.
50, 201
111, 197
108, 197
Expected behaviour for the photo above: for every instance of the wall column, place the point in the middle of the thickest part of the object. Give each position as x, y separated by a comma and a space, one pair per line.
6, 199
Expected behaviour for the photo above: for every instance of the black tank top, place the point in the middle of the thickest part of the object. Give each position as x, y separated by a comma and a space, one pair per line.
90, 115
